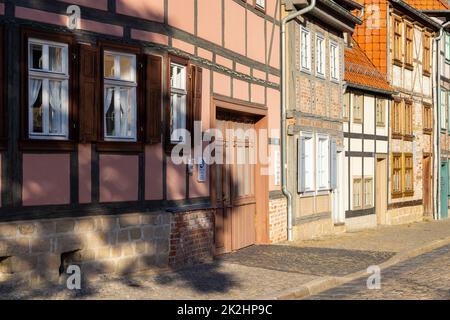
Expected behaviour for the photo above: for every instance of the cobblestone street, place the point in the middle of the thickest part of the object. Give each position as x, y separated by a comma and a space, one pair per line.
424, 277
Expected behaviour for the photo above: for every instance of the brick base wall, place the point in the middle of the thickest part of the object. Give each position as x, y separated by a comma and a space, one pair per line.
277, 220
33, 252
192, 238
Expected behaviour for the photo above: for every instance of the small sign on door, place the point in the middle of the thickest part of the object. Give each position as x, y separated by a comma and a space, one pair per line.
201, 170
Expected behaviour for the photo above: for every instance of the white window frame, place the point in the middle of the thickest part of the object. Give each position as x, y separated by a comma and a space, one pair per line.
179, 92
45, 75
443, 110
309, 162
305, 49
261, 4
323, 162
447, 47
334, 61
117, 83
320, 55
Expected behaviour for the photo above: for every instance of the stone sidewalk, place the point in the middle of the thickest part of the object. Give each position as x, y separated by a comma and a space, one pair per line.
289, 270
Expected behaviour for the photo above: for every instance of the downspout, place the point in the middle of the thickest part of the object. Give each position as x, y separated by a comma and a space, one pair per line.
285, 190
437, 131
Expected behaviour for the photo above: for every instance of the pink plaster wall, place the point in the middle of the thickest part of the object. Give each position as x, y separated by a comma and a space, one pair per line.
242, 69
272, 185
182, 45
2, 8
227, 63
273, 105
259, 74
222, 84
258, 94
84, 173
46, 179
154, 172
273, 8
97, 4
149, 9
149, 36
240, 89
99, 27
209, 20
119, 178
256, 38
181, 14
41, 16
205, 54
234, 27
176, 181
274, 57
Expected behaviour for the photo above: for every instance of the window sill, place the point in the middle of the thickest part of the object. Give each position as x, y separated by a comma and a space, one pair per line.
427, 131
409, 67
426, 73
397, 195
397, 136
357, 121
47, 145
381, 125
408, 193
119, 146
397, 63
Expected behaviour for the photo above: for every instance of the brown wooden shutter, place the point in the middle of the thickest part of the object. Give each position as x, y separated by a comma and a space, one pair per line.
90, 92
197, 88
153, 99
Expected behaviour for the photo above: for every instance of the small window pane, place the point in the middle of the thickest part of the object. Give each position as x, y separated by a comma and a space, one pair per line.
177, 77
55, 111
126, 68
109, 66
36, 105
110, 112
55, 59
37, 57
125, 113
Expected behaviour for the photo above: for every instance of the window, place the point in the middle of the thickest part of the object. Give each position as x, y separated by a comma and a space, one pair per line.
357, 193
358, 100
396, 120
443, 111
397, 39
334, 61
409, 178
178, 102
381, 112
48, 90
409, 34
119, 96
306, 163
426, 53
396, 174
260, 4
427, 119
368, 192
346, 110
320, 55
447, 46
408, 119
322, 163
305, 52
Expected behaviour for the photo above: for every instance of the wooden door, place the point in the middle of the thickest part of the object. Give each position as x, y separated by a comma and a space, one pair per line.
381, 191
427, 208
235, 187
444, 190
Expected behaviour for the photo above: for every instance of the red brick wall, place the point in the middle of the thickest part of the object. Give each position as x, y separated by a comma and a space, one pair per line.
191, 238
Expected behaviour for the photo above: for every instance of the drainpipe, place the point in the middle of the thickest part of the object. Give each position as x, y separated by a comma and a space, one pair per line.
285, 190
437, 131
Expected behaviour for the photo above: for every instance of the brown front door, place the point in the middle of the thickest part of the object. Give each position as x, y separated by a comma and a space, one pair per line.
427, 185
235, 187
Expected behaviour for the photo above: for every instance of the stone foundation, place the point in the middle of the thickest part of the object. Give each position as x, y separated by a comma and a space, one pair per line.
404, 215
39, 252
317, 229
361, 223
277, 220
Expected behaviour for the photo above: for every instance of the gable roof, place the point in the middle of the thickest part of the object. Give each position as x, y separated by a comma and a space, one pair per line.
360, 72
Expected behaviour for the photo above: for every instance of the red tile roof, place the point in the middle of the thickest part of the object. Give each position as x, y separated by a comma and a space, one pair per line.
359, 70
428, 4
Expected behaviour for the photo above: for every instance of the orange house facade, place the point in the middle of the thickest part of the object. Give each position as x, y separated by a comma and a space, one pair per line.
95, 95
